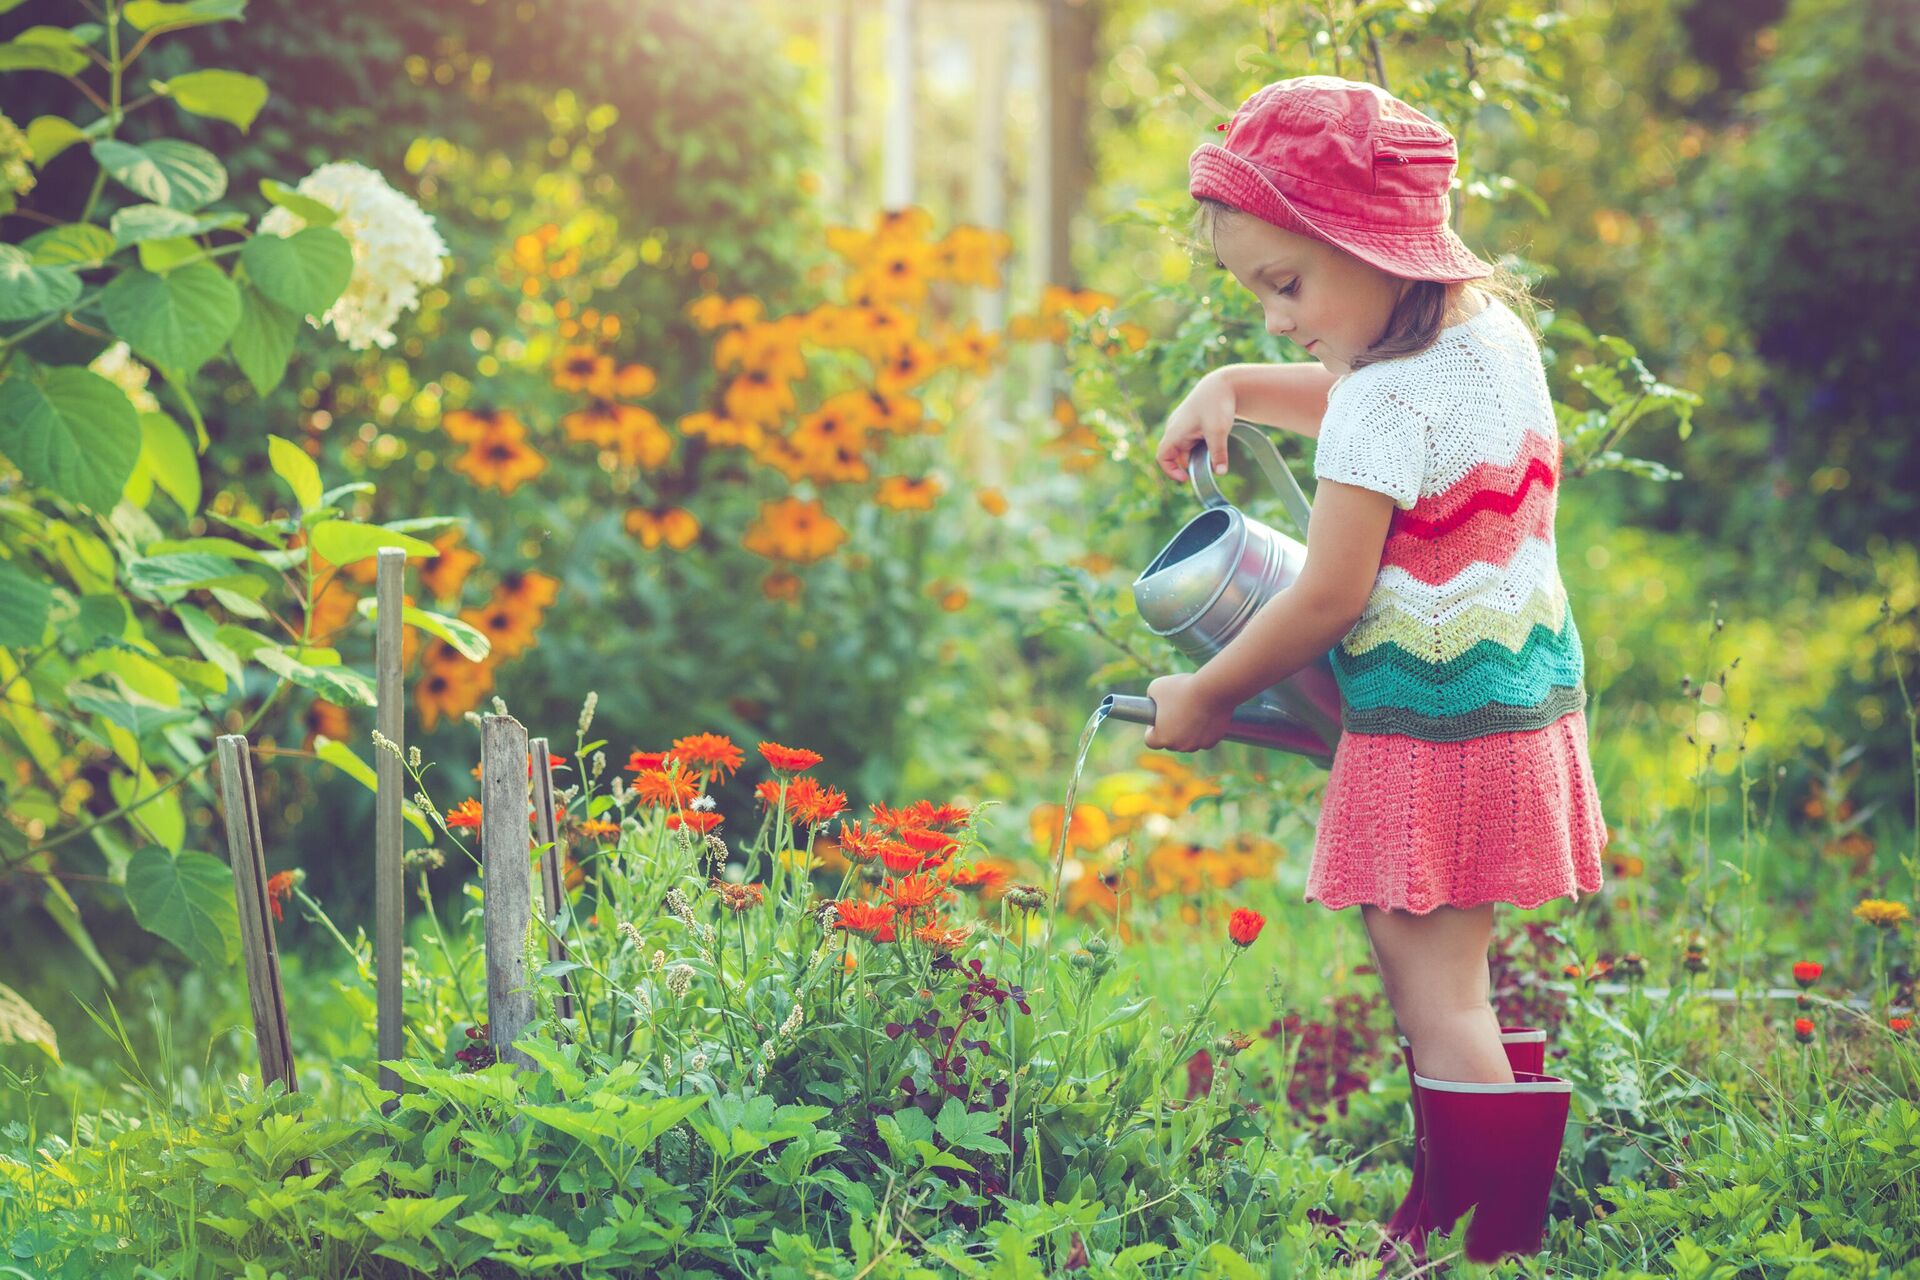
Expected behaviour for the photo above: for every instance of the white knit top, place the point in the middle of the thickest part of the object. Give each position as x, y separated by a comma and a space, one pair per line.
1468, 630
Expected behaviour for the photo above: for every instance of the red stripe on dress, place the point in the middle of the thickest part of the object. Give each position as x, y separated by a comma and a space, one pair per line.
1488, 535
1436, 513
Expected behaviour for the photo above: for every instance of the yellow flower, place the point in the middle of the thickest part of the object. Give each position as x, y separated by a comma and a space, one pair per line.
501, 463
1882, 913
972, 255
443, 575
757, 396
584, 369
723, 432
973, 349
715, 312
992, 501
794, 529
909, 363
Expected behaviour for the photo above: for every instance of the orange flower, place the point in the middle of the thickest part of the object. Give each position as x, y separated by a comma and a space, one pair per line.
793, 529
814, 804
477, 426
443, 576
648, 761
279, 889
1244, 926
723, 432
972, 255
634, 382
757, 396
658, 789
696, 820
676, 527
711, 755
992, 501
528, 588
859, 844
739, 897
326, 719
903, 493
890, 819
899, 859
869, 918
772, 350
465, 814
509, 627
714, 311
1089, 831
937, 934
1803, 1029
500, 463
1900, 1024
594, 829
1806, 972
908, 364
789, 759
981, 876
926, 841
450, 685
912, 893
781, 584
584, 369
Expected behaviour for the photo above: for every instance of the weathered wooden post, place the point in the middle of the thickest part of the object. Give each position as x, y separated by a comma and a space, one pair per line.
248, 855
389, 910
505, 867
546, 830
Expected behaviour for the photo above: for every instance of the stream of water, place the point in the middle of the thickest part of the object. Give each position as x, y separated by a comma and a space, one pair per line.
1066, 810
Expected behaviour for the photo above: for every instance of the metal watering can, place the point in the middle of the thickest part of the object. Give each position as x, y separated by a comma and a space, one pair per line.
1211, 578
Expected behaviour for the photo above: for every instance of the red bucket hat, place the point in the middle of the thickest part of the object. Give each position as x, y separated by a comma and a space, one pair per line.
1346, 162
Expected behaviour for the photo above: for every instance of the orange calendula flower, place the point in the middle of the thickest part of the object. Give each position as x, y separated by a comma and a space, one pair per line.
711, 755
868, 918
814, 803
858, 844
899, 859
695, 821
789, 759
914, 893
1244, 926
928, 841
674, 527
280, 888
1803, 1030
648, 761
658, 789
1901, 1025
594, 829
739, 897
975, 876
937, 934
465, 814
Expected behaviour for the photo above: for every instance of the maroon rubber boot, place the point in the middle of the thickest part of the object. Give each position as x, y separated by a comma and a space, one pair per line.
1492, 1149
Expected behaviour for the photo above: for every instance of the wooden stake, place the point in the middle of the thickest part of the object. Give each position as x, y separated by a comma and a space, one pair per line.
249, 858
546, 831
389, 909
505, 865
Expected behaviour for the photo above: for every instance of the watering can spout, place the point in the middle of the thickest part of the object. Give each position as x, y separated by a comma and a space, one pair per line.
1254, 724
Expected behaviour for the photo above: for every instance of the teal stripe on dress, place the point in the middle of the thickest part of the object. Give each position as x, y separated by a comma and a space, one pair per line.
1388, 676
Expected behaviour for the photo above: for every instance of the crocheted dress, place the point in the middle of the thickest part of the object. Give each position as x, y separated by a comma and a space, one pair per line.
1462, 775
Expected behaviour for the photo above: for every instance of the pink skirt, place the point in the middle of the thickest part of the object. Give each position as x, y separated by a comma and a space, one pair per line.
1411, 825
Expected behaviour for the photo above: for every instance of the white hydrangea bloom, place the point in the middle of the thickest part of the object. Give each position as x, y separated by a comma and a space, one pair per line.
117, 365
395, 249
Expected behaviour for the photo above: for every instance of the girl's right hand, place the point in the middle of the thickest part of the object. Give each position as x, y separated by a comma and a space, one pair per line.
1206, 414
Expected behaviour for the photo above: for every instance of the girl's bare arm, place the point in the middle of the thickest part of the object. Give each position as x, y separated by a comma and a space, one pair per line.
1290, 396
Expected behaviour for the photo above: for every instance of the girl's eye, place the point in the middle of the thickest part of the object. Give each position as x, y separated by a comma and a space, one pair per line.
1293, 286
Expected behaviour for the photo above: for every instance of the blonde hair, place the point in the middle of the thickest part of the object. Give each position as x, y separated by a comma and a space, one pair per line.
1417, 318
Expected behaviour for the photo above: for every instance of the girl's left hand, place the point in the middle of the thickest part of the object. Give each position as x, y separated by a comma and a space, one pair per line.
1185, 719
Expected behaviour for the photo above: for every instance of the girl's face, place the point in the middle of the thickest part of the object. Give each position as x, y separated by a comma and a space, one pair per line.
1323, 298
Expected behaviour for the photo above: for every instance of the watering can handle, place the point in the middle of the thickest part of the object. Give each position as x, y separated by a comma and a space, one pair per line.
1266, 457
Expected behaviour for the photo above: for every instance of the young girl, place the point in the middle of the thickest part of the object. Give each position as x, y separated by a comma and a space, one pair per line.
1462, 777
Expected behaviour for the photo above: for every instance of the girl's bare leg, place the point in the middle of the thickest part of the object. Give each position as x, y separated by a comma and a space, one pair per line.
1434, 968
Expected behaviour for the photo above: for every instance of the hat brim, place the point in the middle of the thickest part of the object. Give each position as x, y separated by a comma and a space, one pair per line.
1215, 173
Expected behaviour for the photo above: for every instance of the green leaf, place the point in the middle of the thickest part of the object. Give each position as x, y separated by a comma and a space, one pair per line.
336, 684
72, 432
65, 912
43, 49
262, 342
179, 320
139, 222
48, 136
344, 541
303, 272
166, 171
162, 256
218, 94
24, 605
187, 899
969, 1130
21, 1023
188, 572
137, 715
468, 640
312, 211
166, 452
28, 289
202, 631
77, 244
152, 15
292, 464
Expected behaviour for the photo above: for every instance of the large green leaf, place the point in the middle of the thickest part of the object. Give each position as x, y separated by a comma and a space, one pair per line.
77, 244
190, 571
166, 171
137, 715
336, 684
28, 289
138, 222
168, 456
24, 604
222, 95
188, 900
294, 465
21, 1023
179, 320
303, 272
155, 15
344, 541
202, 630
262, 342
72, 432
48, 136
468, 640
52, 49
